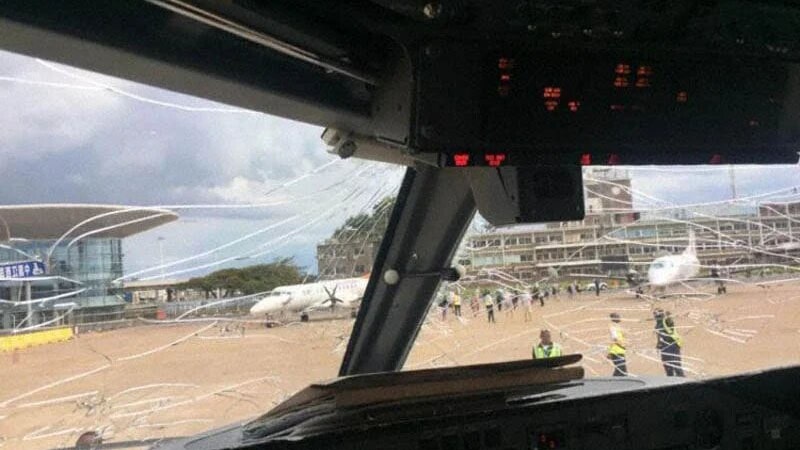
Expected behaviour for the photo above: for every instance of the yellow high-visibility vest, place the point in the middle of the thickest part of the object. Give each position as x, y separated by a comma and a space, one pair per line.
673, 334
618, 346
456, 300
540, 353
487, 301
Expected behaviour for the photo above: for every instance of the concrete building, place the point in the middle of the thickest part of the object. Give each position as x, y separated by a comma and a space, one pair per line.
352, 248
341, 258
82, 244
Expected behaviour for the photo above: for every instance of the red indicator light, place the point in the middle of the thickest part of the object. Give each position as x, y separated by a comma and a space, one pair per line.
716, 158
505, 63
552, 92
682, 97
574, 105
461, 159
644, 71
505, 78
586, 159
643, 82
622, 69
621, 82
613, 159
551, 105
495, 159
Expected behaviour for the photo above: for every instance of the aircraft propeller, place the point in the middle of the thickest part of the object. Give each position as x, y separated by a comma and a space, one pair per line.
332, 297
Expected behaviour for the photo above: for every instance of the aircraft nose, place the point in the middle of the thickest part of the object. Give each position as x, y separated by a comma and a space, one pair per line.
658, 278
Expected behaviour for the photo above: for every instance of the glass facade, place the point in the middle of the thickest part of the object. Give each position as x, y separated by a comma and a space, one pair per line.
95, 262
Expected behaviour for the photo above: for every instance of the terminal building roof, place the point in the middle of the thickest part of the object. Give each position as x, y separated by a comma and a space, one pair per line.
51, 221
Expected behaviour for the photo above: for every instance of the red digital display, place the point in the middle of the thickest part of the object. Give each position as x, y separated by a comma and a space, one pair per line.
586, 159
495, 159
505, 63
715, 159
574, 105
613, 159
682, 97
552, 92
461, 159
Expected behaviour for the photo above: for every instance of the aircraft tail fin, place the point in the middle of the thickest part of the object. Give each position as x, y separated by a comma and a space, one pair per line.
691, 249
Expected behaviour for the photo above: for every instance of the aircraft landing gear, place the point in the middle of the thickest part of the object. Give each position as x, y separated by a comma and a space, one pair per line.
304, 317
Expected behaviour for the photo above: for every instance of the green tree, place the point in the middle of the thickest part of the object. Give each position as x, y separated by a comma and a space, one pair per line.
362, 225
248, 280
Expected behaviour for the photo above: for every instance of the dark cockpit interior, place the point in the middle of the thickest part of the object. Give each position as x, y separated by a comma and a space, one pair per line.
495, 107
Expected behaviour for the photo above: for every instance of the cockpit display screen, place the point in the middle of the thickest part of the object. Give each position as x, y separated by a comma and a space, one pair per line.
633, 108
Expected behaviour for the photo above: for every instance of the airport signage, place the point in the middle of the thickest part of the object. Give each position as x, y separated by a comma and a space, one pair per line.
23, 269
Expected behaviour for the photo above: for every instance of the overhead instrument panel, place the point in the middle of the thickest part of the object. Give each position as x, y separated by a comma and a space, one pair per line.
492, 104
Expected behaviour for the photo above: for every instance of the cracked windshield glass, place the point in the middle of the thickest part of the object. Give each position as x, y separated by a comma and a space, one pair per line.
170, 265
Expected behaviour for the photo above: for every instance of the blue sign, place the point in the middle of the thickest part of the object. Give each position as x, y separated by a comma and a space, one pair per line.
23, 269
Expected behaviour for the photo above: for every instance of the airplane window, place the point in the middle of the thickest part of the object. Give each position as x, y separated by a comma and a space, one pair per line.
167, 233
737, 287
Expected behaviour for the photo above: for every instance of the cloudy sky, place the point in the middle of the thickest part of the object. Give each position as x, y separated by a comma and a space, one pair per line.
72, 136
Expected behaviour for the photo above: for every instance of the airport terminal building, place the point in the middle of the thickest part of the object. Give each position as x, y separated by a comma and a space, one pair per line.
80, 249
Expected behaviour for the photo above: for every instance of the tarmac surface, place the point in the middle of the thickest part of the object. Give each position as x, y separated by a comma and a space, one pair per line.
165, 380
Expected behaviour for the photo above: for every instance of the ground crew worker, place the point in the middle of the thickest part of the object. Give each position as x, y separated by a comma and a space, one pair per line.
508, 303
499, 297
488, 303
538, 291
527, 303
456, 304
668, 344
475, 304
616, 351
596, 287
546, 347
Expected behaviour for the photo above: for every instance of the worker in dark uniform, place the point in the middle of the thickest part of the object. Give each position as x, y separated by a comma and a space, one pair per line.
596, 287
715, 274
616, 351
546, 347
668, 344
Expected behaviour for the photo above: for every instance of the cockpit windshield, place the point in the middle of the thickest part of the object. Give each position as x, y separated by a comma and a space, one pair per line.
141, 228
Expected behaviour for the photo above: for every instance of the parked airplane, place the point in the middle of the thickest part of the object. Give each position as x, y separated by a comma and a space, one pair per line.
302, 298
671, 269
662, 271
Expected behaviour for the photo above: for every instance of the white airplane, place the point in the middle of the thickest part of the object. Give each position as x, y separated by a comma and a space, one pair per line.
302, 298
671, 269
662, 271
